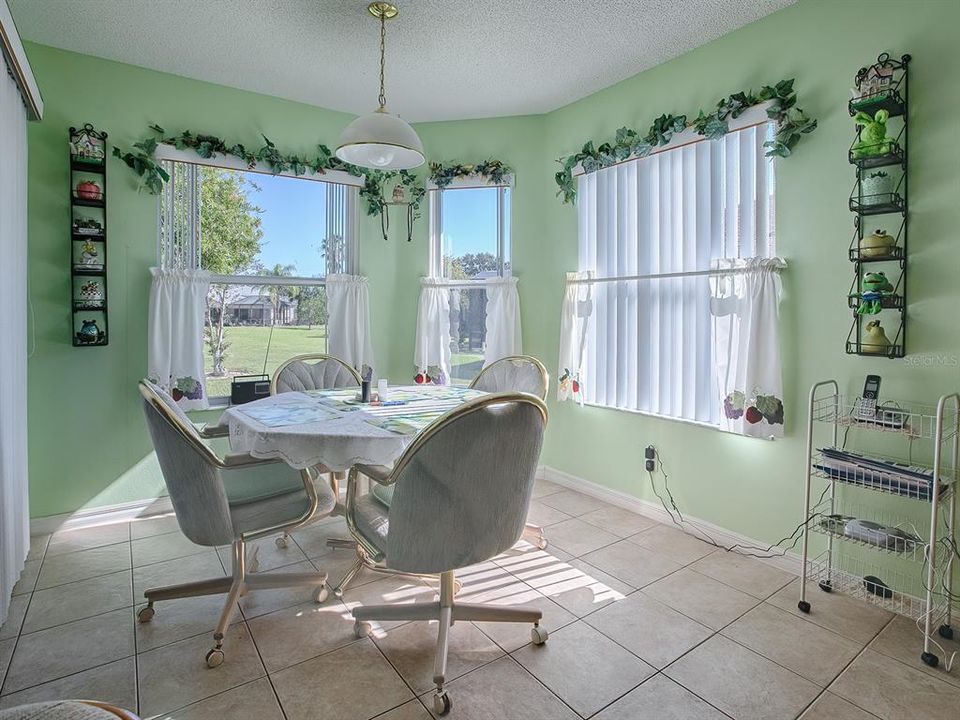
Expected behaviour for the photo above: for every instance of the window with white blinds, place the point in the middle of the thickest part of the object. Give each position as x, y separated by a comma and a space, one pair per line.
648, 231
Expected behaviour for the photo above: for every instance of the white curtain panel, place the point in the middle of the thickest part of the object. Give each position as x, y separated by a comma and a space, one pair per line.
746, 335
504, 336
431, 352
178, 299
575, 316
14, 509
649, 346
348, 326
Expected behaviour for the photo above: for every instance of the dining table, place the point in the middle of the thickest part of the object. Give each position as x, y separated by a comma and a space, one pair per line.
333, 428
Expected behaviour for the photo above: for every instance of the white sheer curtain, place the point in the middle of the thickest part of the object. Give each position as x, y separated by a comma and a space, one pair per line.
574, 324
746, 332
649, 346
431, 352
348, 326
504, 337
175, 334
14, 509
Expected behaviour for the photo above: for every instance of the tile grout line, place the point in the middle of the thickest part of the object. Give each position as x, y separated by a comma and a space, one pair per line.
846, 667
135, 619
16, 640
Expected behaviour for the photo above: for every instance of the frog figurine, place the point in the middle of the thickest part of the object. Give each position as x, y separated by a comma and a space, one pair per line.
875, 340
873, 137
89, 333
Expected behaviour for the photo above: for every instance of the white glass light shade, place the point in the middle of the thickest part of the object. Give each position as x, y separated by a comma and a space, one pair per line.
380, 141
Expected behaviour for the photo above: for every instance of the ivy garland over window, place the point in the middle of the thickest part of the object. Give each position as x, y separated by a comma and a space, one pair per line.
495, 171
792, 123
142, 160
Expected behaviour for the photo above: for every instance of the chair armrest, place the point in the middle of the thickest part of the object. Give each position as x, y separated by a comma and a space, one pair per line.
233, 460
380, 474
214, 430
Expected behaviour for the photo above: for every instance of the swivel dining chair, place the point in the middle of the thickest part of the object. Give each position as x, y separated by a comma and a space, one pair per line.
316, 371
517, 373
461, 492
313, 372
227, 501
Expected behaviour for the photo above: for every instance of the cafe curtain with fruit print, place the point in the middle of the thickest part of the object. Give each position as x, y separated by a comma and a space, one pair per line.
574, 318
744, 304
431, 351
178, 298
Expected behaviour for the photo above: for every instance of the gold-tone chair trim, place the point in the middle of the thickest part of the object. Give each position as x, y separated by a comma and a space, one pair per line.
312, 357
544, 373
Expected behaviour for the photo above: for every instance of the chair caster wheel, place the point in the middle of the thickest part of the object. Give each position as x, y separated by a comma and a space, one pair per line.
930, 659
946, 632
282, 542
146, 614
826, 586
215, 658
361, 629
442, 703
321, 594
804, 607
538, 635
338, 593
542, 543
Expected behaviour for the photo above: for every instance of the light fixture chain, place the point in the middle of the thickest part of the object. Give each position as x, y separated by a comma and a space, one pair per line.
383, 47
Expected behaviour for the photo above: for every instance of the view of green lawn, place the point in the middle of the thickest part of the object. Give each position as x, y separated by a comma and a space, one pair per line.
248, 345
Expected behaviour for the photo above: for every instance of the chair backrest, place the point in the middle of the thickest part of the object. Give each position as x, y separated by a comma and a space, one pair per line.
189, 470
517, 373
464, 485
313, 372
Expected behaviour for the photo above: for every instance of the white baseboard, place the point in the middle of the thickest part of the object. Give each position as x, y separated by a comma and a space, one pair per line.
106, 515
790, 562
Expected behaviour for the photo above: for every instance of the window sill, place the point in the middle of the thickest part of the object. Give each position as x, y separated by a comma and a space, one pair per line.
656, 416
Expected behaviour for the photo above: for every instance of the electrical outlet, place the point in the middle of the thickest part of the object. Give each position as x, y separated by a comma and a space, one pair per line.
650, 453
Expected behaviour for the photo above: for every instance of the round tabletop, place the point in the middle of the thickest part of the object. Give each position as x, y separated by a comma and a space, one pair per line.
334, 429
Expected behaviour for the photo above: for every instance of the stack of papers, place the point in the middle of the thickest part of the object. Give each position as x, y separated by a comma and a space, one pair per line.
910, 480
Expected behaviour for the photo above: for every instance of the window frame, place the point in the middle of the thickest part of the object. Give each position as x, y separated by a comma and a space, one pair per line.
754, 117
504, 226
170, 156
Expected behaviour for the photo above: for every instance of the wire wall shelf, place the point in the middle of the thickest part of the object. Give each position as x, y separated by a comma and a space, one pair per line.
901, 417
852, 577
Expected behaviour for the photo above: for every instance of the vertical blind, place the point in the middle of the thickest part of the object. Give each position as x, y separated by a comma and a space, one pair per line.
649, 346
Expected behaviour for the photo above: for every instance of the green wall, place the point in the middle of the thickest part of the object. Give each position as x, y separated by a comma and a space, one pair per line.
87, 443
755, 486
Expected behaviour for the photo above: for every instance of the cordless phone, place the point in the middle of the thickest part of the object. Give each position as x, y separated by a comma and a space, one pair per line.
866, 408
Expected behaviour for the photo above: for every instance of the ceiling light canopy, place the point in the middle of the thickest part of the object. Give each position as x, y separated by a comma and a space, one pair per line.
381, 141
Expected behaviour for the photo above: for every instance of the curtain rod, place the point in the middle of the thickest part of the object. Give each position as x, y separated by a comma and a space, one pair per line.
666, 276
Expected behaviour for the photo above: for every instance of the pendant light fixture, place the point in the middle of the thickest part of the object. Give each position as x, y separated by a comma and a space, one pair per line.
381, 141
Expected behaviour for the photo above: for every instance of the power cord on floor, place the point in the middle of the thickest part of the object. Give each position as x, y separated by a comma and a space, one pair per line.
746, 549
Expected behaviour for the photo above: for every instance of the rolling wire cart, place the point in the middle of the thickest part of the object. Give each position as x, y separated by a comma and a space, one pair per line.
885, 538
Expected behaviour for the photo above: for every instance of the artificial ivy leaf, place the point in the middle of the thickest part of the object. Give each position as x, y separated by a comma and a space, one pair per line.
679, 123
785, 87
156, 128
589, 164
626, 136
715, 128
641, 149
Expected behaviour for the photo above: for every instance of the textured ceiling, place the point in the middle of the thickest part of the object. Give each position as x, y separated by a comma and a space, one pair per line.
446, 59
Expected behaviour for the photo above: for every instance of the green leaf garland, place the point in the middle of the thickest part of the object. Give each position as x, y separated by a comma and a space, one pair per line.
495, 171
792, 124
142, 160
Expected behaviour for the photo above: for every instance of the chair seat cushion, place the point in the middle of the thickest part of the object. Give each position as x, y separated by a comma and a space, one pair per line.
383, 493
273, 494
372, 519
57, 710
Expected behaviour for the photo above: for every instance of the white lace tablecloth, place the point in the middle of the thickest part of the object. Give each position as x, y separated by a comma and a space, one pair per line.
328, 428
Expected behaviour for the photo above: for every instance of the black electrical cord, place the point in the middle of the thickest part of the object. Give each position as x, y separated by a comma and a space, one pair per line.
739, 548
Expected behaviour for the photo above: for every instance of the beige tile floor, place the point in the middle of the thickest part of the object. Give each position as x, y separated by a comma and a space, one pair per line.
644, 621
